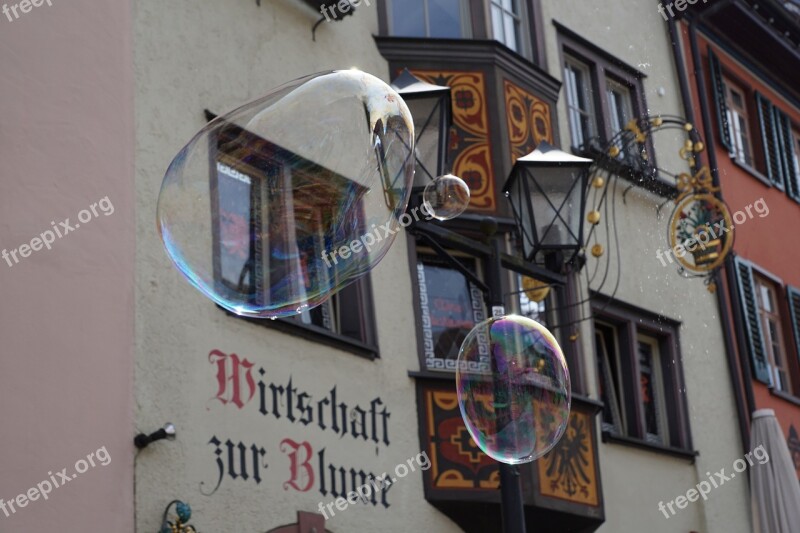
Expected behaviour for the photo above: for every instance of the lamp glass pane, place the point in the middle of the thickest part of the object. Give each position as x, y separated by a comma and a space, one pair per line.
427, 139
556, 206
519, 196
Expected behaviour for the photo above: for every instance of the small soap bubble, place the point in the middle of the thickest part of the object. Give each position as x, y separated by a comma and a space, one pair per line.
446, 197
513, 388
271, 208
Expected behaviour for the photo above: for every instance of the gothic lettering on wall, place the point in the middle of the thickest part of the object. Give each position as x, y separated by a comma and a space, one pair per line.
240, 385
237, 385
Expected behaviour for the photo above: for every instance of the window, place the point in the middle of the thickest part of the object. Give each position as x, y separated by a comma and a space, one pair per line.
640, 378
610, 379
602, 96
738, 128
450, 306
429, 18
345, 314
506, 23
532, 298
515, 24
620, 105
652, 383
620, 108
772, 161
580, 108
770, 320
796, 152
768, 330
259, 259
789, 138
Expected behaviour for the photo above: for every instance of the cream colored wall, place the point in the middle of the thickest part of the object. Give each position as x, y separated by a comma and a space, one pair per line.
635, 481
191, 55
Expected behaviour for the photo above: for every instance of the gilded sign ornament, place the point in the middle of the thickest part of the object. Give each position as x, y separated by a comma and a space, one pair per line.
699, 229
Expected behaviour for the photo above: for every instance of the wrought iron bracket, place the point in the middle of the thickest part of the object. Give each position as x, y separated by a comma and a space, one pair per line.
445, 237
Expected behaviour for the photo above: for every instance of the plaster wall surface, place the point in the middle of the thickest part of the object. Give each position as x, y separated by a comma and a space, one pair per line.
195, 55
635, 481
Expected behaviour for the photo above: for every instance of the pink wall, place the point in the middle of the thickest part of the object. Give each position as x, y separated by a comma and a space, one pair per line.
66, 314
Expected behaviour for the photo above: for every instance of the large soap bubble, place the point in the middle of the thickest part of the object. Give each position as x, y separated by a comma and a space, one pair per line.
281, 203
513, 388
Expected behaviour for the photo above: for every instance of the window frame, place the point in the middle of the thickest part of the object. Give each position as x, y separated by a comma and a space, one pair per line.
613, 85
365, 346
789, 312
619, 417
366, 316
519, 18
466, 13
557, 312
477, 25
770, 161
571, 63
603, 66
630, 324
791, 160
780, 382
743, 112
417, 252
657, 378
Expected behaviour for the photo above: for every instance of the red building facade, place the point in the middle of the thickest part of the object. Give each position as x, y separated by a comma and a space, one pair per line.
740, 64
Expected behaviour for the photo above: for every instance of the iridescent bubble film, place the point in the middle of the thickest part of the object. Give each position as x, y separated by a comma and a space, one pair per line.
446, 197
279, 204
513, 388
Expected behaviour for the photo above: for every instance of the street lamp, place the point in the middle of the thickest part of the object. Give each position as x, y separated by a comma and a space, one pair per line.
430, 108
547, 191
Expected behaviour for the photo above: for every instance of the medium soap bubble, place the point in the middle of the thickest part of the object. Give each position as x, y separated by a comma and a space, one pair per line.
279, 204
513, 388
446, 197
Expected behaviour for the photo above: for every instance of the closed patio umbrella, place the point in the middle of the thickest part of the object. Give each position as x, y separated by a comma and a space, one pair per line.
774, 489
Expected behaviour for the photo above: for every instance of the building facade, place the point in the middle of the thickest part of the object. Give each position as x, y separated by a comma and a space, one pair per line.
279, 417
747, 99
395, 367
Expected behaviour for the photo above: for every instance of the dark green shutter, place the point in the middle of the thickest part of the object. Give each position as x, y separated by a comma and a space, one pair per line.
752, 321
786, 141
769, 140
718, 90
794, 312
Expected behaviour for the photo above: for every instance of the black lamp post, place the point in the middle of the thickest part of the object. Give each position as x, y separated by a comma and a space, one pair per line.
430, 108
547, 191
